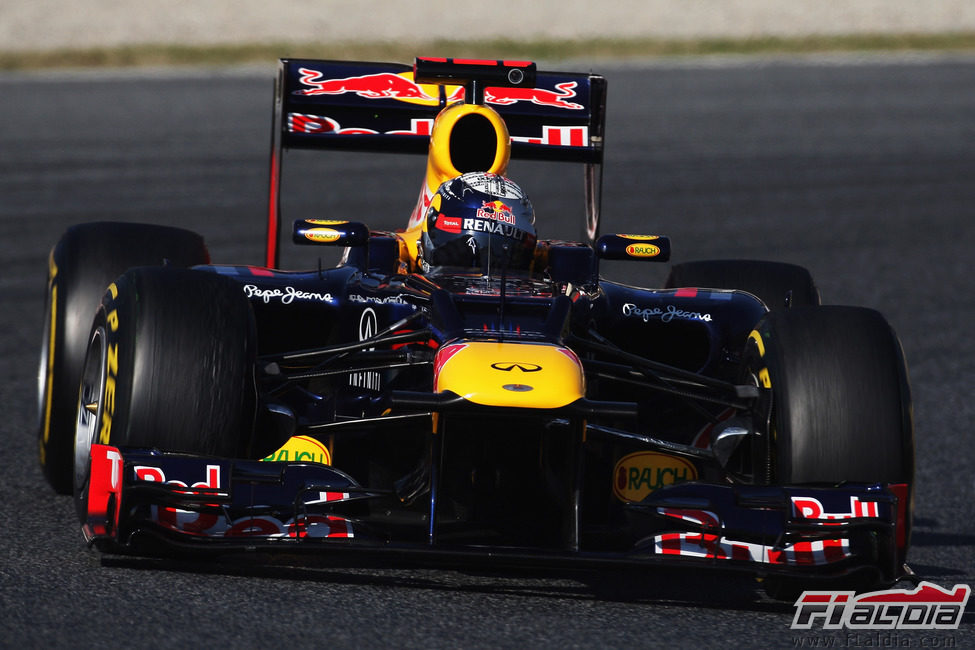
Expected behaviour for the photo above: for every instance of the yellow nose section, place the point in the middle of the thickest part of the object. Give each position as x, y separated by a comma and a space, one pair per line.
524, 375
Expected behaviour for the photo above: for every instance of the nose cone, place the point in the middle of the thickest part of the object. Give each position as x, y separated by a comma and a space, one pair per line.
523, 375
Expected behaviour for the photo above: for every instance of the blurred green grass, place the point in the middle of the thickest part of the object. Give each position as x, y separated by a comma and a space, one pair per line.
545, 50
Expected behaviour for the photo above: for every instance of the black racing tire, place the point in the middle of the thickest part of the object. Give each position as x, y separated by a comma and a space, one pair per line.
170, 366
841, 404
840, 393
775, 283
81, 265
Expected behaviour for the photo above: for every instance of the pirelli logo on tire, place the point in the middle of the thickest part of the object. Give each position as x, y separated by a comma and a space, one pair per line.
48, 358
111, 373
763, 376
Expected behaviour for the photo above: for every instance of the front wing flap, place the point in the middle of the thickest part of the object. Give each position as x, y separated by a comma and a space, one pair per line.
782, 529
209, 501
190, 502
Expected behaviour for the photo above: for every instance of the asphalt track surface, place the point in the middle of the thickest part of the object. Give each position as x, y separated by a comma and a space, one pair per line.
863, 172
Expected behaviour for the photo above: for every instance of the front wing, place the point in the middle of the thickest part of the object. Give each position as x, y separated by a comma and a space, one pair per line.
140, 499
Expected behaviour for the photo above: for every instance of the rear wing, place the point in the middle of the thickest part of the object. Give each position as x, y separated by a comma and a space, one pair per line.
378, 107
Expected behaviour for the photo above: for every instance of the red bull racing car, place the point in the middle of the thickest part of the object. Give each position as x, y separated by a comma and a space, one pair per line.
460, 389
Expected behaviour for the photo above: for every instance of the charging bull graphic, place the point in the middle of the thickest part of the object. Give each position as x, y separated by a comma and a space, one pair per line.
382, 85
387, 85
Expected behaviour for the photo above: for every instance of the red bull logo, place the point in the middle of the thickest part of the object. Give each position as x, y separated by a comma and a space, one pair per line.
382, 85
319, 124
557, 98
558, 136
497, 211
539, 96
389, 85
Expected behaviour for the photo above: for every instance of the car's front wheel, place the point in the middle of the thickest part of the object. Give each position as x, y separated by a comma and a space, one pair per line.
169, 365
841, 402
841, 405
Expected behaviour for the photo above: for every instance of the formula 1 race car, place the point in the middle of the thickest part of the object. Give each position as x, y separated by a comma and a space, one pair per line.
460, 389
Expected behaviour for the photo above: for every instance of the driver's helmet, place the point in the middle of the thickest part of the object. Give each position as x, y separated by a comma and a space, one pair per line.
478, 222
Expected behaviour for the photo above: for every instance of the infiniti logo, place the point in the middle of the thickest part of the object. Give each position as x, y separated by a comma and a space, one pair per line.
508, 366
368, 324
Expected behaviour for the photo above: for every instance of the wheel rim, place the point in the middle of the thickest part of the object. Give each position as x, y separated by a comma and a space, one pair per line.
89, 404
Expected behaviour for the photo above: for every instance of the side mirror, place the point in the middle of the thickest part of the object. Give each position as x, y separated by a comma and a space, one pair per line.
641, 248
325, 232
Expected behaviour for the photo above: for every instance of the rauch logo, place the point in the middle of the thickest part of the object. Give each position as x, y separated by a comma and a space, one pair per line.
640, 473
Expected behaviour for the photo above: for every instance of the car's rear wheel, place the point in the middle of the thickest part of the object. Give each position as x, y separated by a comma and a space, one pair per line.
83, 262
169, 365
777, 284
841, 405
